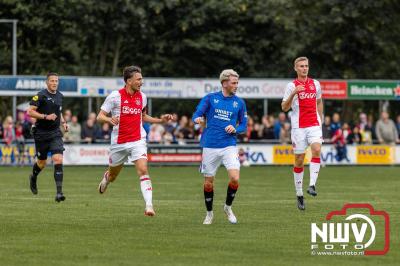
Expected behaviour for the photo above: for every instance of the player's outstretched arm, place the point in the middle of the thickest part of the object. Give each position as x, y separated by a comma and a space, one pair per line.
103, 117
163, 119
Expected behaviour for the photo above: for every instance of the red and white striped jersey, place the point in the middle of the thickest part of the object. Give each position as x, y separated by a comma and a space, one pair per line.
304, 104
129, 109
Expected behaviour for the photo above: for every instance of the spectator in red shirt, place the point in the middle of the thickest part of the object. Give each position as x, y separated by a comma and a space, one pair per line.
339, 142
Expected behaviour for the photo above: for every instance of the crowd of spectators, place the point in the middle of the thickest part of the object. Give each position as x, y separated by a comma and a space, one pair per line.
181, 130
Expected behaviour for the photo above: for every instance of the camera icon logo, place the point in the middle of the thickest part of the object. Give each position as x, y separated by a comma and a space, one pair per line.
352, 233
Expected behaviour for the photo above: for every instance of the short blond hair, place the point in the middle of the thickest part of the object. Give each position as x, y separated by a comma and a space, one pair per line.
301, 58
225, 74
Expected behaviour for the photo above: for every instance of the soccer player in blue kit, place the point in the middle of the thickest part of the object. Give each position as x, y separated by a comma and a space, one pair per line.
224, 115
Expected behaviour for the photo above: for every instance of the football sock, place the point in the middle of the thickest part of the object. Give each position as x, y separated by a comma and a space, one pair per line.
58, 176
315, 165
36, 170
147, 190
208, 197
298, 180
230, 194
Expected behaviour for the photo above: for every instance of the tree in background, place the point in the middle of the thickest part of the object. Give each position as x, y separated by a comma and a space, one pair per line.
195, 38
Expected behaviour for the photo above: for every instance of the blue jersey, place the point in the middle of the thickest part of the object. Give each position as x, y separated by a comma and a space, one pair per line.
219, 112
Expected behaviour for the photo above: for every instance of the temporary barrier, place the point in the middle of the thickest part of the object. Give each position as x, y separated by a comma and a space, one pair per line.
255, 154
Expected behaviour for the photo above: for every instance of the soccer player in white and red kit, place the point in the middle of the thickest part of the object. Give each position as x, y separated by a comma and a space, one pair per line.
303, 96
128, 138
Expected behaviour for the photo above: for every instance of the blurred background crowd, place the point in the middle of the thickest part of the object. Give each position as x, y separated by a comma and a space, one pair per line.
182, 130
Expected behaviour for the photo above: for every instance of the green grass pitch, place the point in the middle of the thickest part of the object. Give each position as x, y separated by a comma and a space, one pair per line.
110, 229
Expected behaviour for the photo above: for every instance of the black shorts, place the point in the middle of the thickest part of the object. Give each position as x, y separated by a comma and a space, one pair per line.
53, 145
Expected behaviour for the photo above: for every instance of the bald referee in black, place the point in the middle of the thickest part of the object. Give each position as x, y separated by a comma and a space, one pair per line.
46, 108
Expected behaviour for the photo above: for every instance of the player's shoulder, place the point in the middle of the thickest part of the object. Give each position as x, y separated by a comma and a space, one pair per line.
143, 94
114, 94
291, 84
42, 92
316, 82
239, 99
210, 96
59, 93
213, 94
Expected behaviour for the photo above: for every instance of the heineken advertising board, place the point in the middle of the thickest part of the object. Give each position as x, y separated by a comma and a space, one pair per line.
372, 90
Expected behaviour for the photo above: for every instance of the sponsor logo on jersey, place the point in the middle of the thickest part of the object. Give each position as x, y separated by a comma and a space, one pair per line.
235, 104
126, 101
223, 114
129, 110
307, 95
216, 100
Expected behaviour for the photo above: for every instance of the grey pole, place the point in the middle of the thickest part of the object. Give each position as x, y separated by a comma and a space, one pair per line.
265, 106
14, 109
149, 106
90, 100
14, 57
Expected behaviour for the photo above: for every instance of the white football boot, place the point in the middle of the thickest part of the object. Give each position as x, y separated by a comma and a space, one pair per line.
229, 213
209, 217
104, 183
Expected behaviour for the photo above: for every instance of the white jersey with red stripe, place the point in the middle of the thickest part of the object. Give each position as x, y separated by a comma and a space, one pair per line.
304, 104
129, 109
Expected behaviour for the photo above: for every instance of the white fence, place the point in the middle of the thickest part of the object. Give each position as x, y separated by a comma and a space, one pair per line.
256, 154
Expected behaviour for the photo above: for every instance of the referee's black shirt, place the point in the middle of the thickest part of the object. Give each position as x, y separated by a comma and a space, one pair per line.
48, 103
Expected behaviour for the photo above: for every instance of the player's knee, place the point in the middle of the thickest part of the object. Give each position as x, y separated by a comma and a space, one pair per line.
208, 185
57, 159
316, 151
41, 163
142, 171
234, 181
234, 178
299, 162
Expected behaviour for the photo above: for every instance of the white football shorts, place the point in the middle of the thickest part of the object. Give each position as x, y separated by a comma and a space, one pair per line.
130, 151
302, 137
212, 158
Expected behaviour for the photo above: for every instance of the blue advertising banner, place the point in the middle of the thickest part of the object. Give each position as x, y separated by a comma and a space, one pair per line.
35, 83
